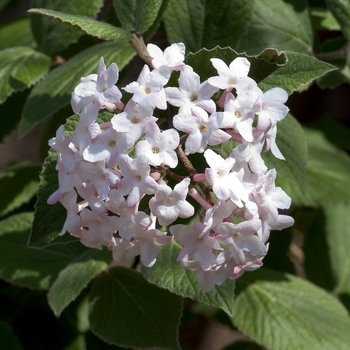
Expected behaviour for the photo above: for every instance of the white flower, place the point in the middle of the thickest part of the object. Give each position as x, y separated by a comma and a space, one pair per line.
191, 92
172, 57
234, 76
168, 204
158, 146
202, 130
98, 88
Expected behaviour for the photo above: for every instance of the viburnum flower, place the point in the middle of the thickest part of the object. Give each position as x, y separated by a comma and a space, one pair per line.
114, 176
172, 57
197, 245
191, 92
149, 87
168, 204
98, 88
233, 76
159, 146
202, 130
136, 180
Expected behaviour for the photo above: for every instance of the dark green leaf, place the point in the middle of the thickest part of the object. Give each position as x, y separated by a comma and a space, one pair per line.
16, 33
251, 26
283, 312
52, 36
338, 238
35, 268
341, 11
20, 67
167, 273
137, 15
18, 184
297, 73
292, 143
76, 275
327, 174
184, 22
55, 91
8, 338
262, 65
88, 25
126, 310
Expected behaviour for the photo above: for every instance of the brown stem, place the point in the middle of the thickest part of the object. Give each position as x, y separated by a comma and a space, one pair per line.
139, 45
186, 162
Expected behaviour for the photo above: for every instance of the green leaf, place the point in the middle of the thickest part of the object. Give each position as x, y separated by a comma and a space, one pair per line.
88, 25
283, 312
167, 273
323, 19
327, 174
341, 11
49, 219
262, 65
52, 36
8, 338
251, 26
299, 72
18, 184
35, 268
137, 15
246, 26
126, 310
289, 132
16, 33
338, 238
76, 275
55, 91
20, 67
184, 22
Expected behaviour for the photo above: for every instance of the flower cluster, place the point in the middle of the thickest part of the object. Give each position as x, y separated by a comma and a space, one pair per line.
109, 171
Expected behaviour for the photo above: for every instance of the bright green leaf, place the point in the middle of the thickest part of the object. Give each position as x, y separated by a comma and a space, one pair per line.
20, 68
167, 273
54, 92
338, 237
297, 73
18, 184
323, 19
16, 33
341, 11
262, 65
88, 25
52, 36
35, 268
292, 143
184, 22
327, 174
126, 310
76, 275
284, 312
137, 15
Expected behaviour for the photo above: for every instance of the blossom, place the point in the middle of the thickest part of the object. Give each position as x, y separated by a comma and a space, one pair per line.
98, 88
149, 87
191, 92
172, 57
202, 130
233, 76
168, 204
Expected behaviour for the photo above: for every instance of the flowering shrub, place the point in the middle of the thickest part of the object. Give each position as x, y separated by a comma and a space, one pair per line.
113, 166
173, 156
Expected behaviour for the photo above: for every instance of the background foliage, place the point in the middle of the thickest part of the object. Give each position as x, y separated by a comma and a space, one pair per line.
66, 296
